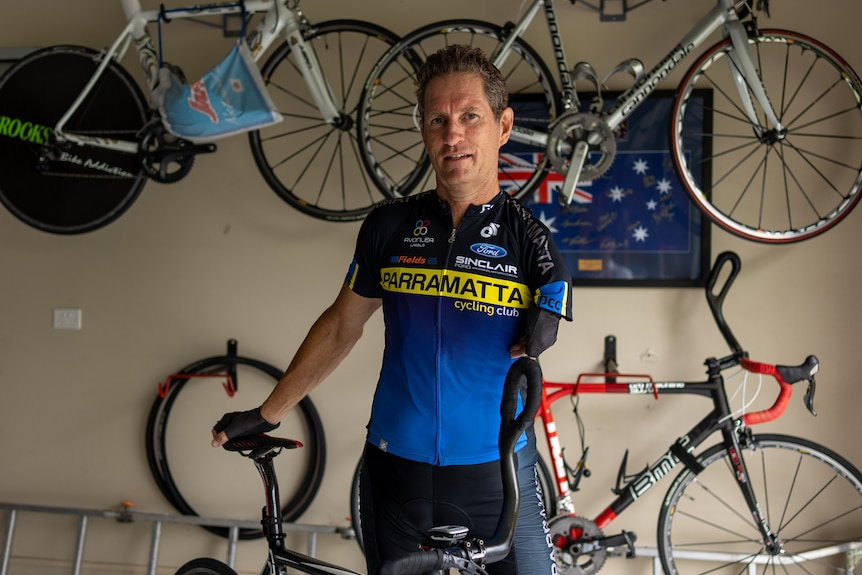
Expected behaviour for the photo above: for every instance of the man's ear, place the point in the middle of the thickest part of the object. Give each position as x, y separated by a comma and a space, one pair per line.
507, 119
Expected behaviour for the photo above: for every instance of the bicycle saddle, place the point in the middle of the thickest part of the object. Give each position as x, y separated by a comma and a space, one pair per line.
260, 441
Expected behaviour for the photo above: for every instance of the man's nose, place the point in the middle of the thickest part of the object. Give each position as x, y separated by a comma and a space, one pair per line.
453, 133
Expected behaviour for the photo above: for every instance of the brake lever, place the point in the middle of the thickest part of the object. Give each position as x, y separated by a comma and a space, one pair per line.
809, 396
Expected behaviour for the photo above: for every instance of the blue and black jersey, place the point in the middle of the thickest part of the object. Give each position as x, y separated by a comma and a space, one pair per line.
454, 302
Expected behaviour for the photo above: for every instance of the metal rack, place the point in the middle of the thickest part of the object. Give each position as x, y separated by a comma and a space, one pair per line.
852, 551
128, 515
612, 10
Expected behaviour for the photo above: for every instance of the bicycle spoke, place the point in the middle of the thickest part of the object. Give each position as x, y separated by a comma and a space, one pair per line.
312, 162
810, 497
809, 176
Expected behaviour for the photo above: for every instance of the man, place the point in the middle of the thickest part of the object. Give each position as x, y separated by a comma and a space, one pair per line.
468, 280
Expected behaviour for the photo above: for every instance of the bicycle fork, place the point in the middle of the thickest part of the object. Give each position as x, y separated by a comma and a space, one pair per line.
737, 440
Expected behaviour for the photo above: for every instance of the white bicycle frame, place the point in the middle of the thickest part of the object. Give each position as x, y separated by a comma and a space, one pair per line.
280, 16
742, 67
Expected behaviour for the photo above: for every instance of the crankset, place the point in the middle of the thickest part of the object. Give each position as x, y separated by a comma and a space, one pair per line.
580, 547
574, 127
166, 158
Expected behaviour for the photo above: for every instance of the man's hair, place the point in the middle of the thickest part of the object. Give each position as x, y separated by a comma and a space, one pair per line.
461, 58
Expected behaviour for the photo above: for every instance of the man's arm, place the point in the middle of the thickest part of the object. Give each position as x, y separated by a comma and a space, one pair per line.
327, 343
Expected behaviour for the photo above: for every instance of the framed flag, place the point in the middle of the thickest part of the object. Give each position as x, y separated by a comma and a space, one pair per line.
634, 225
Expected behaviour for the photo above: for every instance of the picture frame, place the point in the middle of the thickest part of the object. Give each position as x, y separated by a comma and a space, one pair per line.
634, 225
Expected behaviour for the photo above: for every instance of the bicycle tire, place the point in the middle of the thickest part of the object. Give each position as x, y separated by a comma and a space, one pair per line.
172, 441
205, 566
773, 188
391, 145
546, 482
287, 153
548, 486
355, 515
84, 188
814, 499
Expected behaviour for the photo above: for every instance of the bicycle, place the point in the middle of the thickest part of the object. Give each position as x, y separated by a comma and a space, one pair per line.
448, 546
782, 152
804, 501
77, 156
185, 404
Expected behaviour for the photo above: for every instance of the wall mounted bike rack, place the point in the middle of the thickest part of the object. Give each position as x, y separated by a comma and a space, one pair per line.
612, 10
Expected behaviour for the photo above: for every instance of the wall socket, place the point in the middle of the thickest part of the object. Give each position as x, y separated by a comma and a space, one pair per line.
67, 318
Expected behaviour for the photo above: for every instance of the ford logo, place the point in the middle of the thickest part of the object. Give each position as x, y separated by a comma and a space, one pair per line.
488, 250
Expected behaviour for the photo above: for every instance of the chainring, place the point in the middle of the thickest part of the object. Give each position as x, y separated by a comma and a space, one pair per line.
574, 552
575, 127
163, 158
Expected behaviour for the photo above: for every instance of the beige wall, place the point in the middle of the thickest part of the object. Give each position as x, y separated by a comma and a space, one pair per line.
218, 255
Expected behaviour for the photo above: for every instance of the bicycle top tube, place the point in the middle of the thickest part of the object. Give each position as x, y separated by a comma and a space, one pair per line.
720, 15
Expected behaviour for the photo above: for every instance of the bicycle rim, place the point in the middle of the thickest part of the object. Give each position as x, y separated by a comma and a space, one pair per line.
392, 147
313, 165
81, 189
198, 480
810, 497
766, 186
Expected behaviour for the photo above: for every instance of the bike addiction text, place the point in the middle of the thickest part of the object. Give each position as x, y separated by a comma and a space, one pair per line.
41, 135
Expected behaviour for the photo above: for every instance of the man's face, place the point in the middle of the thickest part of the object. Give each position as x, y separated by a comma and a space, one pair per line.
461, 135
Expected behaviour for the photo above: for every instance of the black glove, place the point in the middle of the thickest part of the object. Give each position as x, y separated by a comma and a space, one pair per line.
238, 423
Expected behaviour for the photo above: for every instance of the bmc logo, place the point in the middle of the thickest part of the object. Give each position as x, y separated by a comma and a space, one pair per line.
488, 250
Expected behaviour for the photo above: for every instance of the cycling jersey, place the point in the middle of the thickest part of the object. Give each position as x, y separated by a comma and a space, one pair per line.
454, 302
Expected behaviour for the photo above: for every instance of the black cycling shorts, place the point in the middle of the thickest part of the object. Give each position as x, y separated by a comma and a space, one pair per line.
400, 500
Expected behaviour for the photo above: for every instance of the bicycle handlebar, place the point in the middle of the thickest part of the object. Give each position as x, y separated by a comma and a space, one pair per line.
716, 300
786, 376
471, 556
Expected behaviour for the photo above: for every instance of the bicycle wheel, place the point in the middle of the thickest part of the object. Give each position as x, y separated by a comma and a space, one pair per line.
772, 187
548, 486
810, 497
392, 148
205, 566
67, 189
184, 466
355, 516
312, 165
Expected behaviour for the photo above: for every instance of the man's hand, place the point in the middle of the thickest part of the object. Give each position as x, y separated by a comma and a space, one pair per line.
239, 423
519, 348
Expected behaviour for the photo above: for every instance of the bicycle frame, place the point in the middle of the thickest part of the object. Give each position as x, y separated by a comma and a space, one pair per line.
718, 419
721, 418
722, 15
282, 16
280, 557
